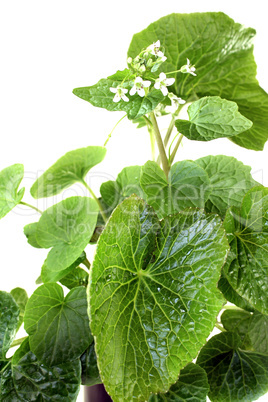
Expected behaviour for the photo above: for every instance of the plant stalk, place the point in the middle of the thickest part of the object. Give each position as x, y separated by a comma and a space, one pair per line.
160, 145
30, 206
172, 157
96, 199
17, 342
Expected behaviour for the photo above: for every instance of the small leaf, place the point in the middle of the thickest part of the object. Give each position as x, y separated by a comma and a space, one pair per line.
212, 117
9, 318
126, 184
100, 95
77, 277
30, 232
20, 296
69, 169
90, 372
58, 327
233, 374
10, 179
191, 386
230, 180
153, 295
66, 227
188, 186
247, 232
26, 379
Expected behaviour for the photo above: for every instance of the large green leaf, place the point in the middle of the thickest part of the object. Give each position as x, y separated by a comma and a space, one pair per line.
153, 295
230, 180
187, 186
247, 232
126, 184
26, 379
192, 386
233, 374
212, 117
20, 296
66, 227
30, 232
253, 328
69, 169
58, 327
10, 179
100, 95
9, 317
222, 53
90, 372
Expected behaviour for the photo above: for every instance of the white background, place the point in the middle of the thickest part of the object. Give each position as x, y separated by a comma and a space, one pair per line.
50, 47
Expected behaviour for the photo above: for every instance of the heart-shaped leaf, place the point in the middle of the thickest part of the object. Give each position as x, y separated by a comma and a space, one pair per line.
9, 318
192, 386
69, 169
222, 52
26, 379
187, 186
230, 180
58, 327
100, 95
212, 117
233, 374
66, 227
153, 295
10, 179
247, 232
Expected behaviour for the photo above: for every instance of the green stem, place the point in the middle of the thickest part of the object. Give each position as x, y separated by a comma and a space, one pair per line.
86, 263
175, 149
160, 145
220, 327
96, 199
232, 308
31, 206
18, 341
109, 136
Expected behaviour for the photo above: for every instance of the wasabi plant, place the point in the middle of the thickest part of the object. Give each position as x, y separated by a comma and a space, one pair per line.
174, 241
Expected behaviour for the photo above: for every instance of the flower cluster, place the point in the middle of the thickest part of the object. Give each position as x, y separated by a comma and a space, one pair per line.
149, 60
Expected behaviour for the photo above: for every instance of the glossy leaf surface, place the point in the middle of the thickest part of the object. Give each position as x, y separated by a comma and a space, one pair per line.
187, 186
230, 180
69, 169
233, 374
222, 52
58, 326
10, 179
66, 227
153, 296
77, 277
26, 379
247, 232
212, 117
192, 386
90, 372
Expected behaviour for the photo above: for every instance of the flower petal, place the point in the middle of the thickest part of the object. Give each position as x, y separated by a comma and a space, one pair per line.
164, 90
133, 91
141, 92
114, 90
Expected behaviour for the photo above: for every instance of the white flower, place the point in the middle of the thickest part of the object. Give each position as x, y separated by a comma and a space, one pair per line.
154, 49
188, 68
139, 86
119, 94
175, 99
163, 82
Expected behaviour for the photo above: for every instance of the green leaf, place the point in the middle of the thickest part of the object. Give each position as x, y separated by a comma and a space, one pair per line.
20, 296
30, 232
188, 186
153, 295
100, 95
192, 386
9, 317
66, 227
212, 117
58, 327
126, 184
48, 275
230, 180
247, 232
69, 169
233, 374
26, 379
77, 277
90, 372
222, 52
253, 327
10, 179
